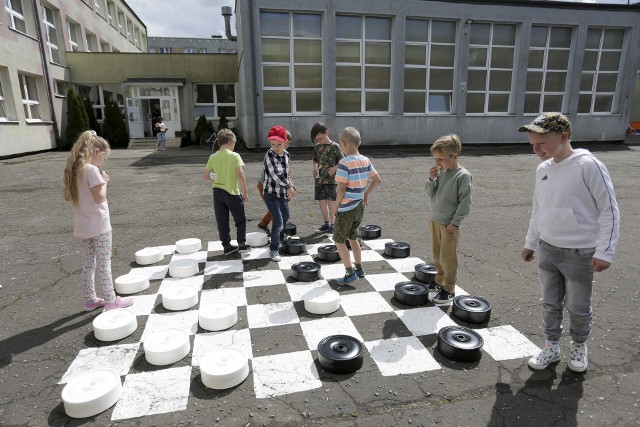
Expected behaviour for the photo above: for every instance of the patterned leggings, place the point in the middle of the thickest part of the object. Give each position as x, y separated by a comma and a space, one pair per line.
97, 261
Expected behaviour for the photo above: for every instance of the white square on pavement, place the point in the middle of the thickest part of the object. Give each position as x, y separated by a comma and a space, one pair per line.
235, 296
425, 320
117, 357
298, 289
405, 265
143, 304
221, 267
368, 256
505, 343
217, 245
256, 253
154, 272
332, 271
205, 343
157, 392
404, 355
316, 330
288, 261
193, 282
377, 244
263, 278
186, 320
265, 315
284, 373
364, 303
200, 256
386, 281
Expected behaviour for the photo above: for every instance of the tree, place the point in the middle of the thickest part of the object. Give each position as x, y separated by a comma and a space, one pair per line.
114, 129
91, 114
223, 122
77, 119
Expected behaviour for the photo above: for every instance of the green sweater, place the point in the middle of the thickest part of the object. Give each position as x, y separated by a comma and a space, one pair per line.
450, 196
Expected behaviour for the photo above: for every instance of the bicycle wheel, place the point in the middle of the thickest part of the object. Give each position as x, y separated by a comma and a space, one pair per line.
206, 141
240, 144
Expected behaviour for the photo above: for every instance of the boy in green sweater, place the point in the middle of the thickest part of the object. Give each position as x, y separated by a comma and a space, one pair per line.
449, 190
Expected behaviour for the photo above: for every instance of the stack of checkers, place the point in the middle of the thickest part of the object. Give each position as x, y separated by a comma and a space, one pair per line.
279, 337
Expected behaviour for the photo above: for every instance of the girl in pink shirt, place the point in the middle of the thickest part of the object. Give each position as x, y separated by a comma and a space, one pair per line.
86, 188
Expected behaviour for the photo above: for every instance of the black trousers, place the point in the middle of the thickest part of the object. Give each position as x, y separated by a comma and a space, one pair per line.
223, 204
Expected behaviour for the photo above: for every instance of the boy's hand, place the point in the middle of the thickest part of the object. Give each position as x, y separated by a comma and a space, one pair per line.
315, 172
450, 228
433, 173
527, 255
333, 170
290, 193
599, 265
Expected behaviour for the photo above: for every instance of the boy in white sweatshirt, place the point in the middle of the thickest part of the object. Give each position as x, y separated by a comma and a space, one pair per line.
574, 226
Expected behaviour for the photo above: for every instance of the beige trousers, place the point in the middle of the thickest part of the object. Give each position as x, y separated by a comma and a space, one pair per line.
444, 248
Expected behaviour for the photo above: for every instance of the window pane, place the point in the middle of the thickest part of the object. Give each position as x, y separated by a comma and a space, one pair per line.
443, 32
534, 81
500, 80
538, 36
226, 94
502, 57
348, 52
475, 103
417, 30
440, 79
590, 61
552, 103
498, 103
584, 103
613, 39
415, 55
532, 103
414, 102
480, 33
307, 51
606, 83
440, 103
277, 101
204, 94
348, 102
593, 39
477, 80
348, 77
377, 77
555, 82
560, 37
609, 61
477, 57
415, 78
536, 58
377, 101
348, 27
275, 50
504, 34
308, 76
377, 53
442, 56
558, 60
377, 28
274, 24
276, 76
603, 104
208, 111
586, 82
307, 25
308, 101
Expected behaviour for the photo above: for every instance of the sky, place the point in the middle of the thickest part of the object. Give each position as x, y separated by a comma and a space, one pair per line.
202, 18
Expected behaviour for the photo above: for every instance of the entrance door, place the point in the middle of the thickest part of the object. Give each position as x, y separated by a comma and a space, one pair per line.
134, 115
169, 115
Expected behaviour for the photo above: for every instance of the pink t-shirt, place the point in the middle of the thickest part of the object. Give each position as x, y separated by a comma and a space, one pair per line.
91, 218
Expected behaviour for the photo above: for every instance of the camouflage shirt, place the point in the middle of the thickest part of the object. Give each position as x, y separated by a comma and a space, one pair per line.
327, 156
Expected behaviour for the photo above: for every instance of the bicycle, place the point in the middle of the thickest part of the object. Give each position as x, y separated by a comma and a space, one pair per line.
208, 142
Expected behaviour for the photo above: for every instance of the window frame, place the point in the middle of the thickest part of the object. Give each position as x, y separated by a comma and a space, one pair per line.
48, 25
111, 13
92, 41
13, 14
4, 107
75, 45
215, 104
29, 103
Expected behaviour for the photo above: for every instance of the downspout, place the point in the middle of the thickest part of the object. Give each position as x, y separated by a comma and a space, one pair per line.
45, 67
227, 11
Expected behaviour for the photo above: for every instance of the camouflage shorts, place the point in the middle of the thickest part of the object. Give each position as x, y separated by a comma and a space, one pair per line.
325, 191
347, 224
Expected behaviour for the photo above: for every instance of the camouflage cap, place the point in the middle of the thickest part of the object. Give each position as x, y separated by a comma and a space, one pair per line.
548, 122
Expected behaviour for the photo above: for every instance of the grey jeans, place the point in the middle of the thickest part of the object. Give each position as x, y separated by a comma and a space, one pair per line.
566, 281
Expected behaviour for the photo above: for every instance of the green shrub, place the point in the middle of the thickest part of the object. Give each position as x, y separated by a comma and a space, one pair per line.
77, 119
202, 128
91, 114
114, 129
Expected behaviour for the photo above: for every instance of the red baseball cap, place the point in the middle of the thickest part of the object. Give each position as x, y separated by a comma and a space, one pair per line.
278, 133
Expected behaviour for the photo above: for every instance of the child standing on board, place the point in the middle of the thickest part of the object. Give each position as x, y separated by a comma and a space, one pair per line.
326, 156
86, 188
224, 170
574, 227
353, 174
449, 190
161, 133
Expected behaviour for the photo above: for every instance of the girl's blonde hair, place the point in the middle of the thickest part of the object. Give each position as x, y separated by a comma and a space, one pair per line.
449, 145
81, 154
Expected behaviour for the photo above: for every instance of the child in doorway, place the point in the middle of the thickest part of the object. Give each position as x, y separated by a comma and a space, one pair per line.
227, 183
278, 189
574, 226
161, 133
86, 188
326, 156
266, 219
449, 190
352, 176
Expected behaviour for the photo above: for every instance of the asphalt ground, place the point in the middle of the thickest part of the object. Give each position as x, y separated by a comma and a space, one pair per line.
157, 198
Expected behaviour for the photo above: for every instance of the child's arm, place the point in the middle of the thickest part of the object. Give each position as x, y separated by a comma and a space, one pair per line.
374, 183
342, 190
242, 180
315, 168
464, 200
99, 192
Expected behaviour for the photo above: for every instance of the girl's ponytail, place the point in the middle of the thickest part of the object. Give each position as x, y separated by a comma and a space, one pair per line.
81, 154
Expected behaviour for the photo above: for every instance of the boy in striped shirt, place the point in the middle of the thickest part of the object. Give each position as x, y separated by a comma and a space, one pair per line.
352, 176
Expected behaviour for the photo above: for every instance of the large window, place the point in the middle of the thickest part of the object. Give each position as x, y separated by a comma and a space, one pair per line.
429, 59
15, 15
4, 111
547, 70
30, 100
215, 100
291, 45
600, 70
49, 20
363, 64
491, 55
92, 42
121, 23
111, 13
74, 36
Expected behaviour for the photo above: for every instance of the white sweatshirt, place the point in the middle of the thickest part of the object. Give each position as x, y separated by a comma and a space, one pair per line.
574, 206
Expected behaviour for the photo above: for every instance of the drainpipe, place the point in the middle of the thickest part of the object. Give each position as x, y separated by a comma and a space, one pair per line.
227, 11
45, 67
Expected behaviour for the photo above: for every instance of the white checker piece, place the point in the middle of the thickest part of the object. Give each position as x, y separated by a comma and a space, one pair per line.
386, 281
235, 296
316, 330
288, 261
154, 272
263, 278
425, 320
398, 356
364, 303
187, 320
297, 290
193, 282
222, 267
265, 315
200, 256
158, 392
405, 265
505, 343
167, 249
284, 373
214, 341
117, 357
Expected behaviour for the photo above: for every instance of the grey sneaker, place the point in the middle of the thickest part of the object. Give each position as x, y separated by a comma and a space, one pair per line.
578, 361
443, 297
546, 357
323, 228
275, 256
244, 248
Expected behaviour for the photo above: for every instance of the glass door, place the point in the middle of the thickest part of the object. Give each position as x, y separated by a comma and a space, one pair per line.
134, 116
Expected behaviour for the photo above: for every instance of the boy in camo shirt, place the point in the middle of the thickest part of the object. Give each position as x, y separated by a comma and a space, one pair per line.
326, 156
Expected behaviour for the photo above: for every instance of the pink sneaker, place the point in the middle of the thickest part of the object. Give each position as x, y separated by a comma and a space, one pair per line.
90, 306
118, 303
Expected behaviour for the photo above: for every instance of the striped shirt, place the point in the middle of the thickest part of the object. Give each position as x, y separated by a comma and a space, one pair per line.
275, 175
354, 171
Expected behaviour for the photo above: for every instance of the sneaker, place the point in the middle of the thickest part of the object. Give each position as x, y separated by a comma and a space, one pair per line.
323, 228
244, 248
433, 286
443, 297
118, 303
359, 272
546, 357
90, 306
348, 278
265, 228
230, 249
275, 256
329, 230
578, 361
